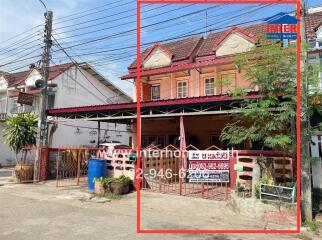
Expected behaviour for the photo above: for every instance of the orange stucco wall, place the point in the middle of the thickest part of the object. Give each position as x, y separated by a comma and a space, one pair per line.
196, 81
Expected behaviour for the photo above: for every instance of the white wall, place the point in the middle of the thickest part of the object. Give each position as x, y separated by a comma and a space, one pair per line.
71, 93
7, 157
83, 93
81, 133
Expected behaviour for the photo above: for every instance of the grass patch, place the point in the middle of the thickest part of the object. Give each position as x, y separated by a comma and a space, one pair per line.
109, 195
312, 225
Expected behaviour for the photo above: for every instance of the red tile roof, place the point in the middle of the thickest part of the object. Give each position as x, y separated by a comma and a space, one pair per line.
312, 22
181, 49
206, 48
18, 78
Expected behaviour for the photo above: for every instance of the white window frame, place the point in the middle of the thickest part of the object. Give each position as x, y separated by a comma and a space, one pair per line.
187, 89
214, 92
154, 85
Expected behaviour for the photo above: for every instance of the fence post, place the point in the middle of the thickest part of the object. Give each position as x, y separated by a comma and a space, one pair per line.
57, 167
232, 172
43, 164
260, 191
180, 167
293, 194
78, 165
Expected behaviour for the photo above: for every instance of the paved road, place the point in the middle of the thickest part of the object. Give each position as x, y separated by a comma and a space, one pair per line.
5, 172
32, 212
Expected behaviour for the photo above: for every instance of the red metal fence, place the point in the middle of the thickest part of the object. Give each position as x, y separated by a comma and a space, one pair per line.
68, 165
162, 172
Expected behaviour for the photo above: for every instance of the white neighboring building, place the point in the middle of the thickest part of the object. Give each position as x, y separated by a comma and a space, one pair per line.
72, 86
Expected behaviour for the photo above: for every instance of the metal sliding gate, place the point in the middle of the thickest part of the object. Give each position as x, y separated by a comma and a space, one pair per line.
162, 172
72, 165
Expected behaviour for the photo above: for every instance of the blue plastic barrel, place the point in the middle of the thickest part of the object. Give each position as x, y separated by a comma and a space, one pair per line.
96, 169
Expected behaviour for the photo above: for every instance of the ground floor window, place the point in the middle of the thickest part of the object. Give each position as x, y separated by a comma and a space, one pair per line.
158, 141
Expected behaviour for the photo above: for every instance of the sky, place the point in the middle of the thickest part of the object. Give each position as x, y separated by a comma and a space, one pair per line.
102, 32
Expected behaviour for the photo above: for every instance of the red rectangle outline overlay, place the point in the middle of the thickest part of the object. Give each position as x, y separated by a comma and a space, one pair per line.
298, 111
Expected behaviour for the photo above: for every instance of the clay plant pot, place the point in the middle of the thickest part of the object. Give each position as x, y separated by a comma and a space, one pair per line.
120, 188
99, 188
23, 173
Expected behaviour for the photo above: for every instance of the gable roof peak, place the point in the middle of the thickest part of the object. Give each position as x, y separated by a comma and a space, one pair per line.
250, 36
160, 46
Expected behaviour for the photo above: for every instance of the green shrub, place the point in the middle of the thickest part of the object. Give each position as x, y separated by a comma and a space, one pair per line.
263, 180
107, 180
312, 225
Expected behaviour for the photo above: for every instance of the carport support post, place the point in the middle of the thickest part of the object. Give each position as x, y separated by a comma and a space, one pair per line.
98, 133
233, 173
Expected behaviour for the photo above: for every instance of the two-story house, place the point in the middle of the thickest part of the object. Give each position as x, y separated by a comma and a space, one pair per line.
192, 78
70, 85
195, 70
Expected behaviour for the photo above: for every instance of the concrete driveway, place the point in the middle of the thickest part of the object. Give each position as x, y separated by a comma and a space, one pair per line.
32, 212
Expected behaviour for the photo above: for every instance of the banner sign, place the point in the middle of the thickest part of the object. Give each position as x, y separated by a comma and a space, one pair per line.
25, 98
208, 166
281, 26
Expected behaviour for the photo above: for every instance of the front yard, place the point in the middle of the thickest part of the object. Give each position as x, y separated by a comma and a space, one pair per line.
44, 212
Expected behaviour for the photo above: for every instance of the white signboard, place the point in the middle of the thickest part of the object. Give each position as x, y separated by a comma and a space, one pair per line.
214, 155
208, 166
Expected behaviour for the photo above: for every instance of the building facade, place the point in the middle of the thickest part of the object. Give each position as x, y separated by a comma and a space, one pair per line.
70, 85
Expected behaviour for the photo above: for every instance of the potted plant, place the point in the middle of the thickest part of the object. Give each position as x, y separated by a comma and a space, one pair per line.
101, 185
21, 131
120, 185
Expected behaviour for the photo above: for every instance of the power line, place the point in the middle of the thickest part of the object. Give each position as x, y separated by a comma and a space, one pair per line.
18, 35
78, 67
174, 38
109, 4
146, 26
134, 29
7, 48
78, 83
111, 15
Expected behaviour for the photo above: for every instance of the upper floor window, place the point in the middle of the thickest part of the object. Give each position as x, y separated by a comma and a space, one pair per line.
210, 86
155, 92
312, 43
182, 89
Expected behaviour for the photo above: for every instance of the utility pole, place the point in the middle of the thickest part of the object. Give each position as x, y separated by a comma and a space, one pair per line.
42, 133
306, 188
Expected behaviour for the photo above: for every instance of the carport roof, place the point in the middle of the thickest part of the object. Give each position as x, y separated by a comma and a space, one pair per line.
160, 108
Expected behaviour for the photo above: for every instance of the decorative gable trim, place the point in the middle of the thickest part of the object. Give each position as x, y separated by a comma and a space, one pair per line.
251, 37
163, 48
